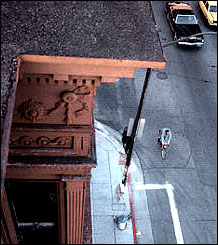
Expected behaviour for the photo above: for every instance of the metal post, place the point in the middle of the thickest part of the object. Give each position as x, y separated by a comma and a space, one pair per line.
135, 126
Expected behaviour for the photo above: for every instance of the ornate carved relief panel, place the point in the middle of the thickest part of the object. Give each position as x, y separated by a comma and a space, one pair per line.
42, 100
53, 117
50, 141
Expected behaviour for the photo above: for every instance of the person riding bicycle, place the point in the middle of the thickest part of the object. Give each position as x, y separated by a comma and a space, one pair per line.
165, 136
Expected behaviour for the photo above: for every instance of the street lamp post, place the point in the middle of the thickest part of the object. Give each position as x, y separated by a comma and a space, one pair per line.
135, 127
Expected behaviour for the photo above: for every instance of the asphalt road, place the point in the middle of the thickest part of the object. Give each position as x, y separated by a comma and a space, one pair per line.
183, 97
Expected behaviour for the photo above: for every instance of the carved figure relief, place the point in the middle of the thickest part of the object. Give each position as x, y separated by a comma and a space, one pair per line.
32, 110
68, 100
72, 102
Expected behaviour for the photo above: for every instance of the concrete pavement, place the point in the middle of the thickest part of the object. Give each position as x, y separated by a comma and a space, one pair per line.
105, 204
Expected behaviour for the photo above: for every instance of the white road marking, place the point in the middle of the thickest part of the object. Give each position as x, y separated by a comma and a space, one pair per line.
175, 215
150, 187
174, 212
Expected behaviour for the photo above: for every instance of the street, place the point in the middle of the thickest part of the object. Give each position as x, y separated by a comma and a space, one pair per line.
182, 97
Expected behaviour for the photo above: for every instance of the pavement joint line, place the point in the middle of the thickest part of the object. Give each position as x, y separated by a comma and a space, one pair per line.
174, 212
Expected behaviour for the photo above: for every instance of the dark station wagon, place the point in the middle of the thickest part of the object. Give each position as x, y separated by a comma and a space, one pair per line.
184, 23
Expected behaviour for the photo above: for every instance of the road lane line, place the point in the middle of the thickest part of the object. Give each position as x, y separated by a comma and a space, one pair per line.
174, 212
150, 187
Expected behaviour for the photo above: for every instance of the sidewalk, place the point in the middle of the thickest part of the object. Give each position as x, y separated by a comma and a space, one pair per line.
105, 204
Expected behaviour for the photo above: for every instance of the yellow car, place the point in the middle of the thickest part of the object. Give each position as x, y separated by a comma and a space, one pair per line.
209, 9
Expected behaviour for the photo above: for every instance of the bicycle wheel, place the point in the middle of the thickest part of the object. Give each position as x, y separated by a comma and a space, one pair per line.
163, 153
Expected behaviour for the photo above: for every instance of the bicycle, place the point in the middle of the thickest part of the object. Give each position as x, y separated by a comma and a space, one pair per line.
164, 150
164, 147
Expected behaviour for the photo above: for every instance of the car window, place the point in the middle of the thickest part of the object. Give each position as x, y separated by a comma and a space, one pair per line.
213, 8
186, 20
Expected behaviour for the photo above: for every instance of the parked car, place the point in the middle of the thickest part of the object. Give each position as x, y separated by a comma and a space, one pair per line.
184, 23
209, 10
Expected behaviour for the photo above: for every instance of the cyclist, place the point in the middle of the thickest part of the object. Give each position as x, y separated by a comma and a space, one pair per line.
165, 136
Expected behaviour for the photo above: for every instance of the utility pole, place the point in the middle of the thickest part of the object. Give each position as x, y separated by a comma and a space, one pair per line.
135, 127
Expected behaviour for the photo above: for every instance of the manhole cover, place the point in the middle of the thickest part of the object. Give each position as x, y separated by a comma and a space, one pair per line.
162, 75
